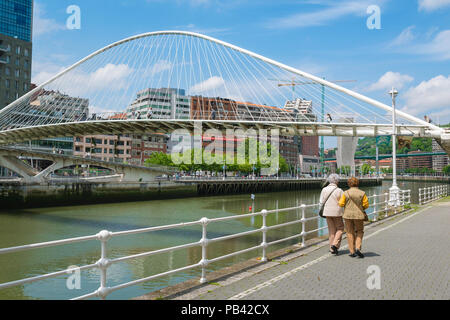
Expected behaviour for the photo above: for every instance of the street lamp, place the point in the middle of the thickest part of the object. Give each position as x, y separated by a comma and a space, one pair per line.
394, 190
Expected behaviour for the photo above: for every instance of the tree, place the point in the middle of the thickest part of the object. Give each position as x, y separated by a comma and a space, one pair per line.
366, 168
446, 170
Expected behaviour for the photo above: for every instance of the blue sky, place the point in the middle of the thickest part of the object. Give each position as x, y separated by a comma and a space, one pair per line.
330, 39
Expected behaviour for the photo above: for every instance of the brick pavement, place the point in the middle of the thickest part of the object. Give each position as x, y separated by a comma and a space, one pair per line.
410, 251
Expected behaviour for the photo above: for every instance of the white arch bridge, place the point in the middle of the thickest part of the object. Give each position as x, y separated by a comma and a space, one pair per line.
158, 82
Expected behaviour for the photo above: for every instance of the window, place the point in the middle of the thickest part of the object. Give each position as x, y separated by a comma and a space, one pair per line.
7, 71
17, 73
26, 63
26, 52
25, 75
7, 83
25, 87
18, 62
18, 49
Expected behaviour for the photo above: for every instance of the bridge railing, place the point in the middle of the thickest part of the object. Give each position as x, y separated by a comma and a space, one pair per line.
433, 193
306, 214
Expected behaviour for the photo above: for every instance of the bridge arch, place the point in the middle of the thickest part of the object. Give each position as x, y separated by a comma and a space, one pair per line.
206, 66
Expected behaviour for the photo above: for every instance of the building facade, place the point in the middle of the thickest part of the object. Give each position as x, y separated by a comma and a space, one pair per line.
164, 103
143, 146
103, 147
441, 161
16, 21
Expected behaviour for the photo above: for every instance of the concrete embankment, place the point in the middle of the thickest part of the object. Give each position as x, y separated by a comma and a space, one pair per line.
421, 179
19, 196
39, 196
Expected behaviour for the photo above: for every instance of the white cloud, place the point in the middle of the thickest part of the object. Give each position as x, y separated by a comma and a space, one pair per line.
391, 79
439, 47
41, 24
432, 5
324, 16
43, 71
211, 84
430, 97
109, 76
405, 37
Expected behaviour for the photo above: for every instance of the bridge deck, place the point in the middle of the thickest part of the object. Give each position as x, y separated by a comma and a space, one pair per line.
411, 252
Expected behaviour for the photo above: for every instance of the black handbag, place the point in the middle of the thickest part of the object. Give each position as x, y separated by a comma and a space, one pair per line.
322, 207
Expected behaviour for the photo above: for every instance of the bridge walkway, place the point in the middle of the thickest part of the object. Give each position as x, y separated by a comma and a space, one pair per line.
411, 252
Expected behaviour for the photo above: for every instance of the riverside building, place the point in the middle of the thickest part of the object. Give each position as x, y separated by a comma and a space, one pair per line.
16, 21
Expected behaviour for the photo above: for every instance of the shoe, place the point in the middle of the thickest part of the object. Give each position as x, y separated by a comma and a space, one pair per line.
359, 254
352, 255
334, 250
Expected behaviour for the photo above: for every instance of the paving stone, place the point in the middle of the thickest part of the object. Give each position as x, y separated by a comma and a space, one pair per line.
412, 255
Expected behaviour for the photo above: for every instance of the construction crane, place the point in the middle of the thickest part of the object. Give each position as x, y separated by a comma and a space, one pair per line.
292, 83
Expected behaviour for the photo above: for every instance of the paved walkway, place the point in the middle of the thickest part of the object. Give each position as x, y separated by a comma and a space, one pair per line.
411, 253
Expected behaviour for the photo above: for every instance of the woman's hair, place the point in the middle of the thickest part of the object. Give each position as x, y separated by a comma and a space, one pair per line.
333, 178
353, 182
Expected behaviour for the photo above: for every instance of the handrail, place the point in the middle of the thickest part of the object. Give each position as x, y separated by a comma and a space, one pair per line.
379, 203
430, 194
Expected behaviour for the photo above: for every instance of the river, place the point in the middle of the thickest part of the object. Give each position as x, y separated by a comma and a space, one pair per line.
29, 226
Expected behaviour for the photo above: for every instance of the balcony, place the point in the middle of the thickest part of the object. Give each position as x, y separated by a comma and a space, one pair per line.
5, 48
3, 60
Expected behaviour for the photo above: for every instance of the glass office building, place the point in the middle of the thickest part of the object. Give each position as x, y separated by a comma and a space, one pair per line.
16, 19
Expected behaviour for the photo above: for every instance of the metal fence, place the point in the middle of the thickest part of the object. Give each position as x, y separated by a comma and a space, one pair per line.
379, 209
434, 193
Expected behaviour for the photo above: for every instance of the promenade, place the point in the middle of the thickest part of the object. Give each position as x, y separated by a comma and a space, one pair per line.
409, 253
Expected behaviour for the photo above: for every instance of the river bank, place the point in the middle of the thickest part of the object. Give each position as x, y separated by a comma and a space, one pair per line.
20, 196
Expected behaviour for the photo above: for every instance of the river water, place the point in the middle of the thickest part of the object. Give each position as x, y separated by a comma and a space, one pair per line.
29, 226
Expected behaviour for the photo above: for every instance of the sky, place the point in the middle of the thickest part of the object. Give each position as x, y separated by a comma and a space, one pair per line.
407, 45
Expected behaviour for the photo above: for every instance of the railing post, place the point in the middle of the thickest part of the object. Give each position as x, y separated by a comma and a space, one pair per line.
303, 206
386, 204
103, 264
264, 235
204, 243
375, 213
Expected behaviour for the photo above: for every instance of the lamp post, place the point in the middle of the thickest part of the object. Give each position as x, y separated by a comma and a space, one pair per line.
394, 190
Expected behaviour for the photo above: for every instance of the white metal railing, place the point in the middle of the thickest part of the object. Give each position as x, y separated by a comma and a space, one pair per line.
434, 193
379, 208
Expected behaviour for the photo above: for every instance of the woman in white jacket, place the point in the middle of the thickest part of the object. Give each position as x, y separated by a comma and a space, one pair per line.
331, 195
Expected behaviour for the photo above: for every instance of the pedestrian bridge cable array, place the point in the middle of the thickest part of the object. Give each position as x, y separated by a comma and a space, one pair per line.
307, 218
123, 88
